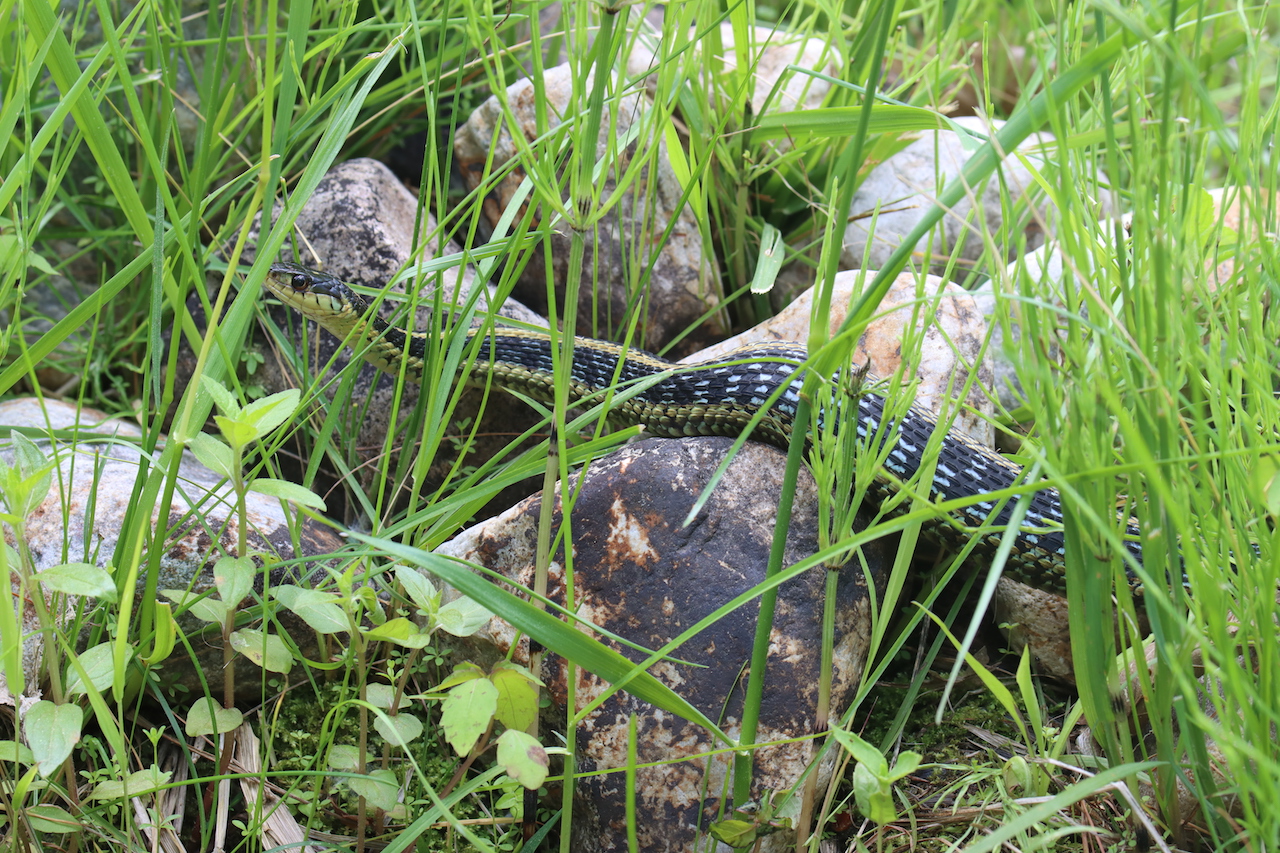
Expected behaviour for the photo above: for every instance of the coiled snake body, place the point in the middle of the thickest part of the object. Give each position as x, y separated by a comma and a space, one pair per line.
721, 397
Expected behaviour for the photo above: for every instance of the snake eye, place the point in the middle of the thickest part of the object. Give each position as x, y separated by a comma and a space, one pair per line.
301, 282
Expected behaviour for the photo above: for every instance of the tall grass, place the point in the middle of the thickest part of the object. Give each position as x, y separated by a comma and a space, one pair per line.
147, 153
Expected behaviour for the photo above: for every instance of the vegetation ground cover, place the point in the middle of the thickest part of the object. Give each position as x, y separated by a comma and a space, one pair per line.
142, 143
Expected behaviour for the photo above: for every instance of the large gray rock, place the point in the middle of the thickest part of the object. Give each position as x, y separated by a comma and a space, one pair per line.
678, 287
91, 494
361, 225
905, 186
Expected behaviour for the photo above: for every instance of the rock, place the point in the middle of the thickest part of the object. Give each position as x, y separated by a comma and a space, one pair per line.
359, 225
91, 493
678, 288
903, 188
944, 316
1253, 220
776, 56
639, 573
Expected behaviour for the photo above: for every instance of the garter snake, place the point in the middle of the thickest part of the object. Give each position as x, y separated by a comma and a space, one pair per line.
721, 397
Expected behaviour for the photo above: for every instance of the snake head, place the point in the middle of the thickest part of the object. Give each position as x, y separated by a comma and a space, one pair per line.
298, 279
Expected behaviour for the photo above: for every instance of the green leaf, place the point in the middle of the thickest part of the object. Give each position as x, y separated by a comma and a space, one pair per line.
286, 491
399, 729
517, 695
235, 432
839, 122
773, 251
214, 455
524, 759
320, 610
419, 589
14, 752
99, 664
343, 757
462, 617
466, 712
863, 752
270, 412
222, 398
207, 608
266, 650
462, 673
380, 695
47, 818
401, 631
81, 579
380, 788
734, 832
139, 782
207, 717
51, 731
234, 579
26, 484
874, 795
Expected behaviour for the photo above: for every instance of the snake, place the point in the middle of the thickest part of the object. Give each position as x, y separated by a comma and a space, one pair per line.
756, 387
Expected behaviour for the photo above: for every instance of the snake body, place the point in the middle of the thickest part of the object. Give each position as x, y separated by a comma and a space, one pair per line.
723, 397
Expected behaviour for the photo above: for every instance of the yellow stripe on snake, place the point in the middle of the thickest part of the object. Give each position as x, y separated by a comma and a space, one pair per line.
722, 397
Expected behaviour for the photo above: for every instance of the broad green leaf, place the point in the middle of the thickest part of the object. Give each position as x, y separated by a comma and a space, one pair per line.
234, 579
13, 752
99, 664
874, 795
270, 412
462, 617
320, 610
82, 579
380, 695
286, 491
863, 752
523, 758
466, 712
343, 756
51, 731
517, 696
207, 717
26, 483
463, 672
380, 788
235, 432
139, 782
401, 631
266, 650
48, 818
214, 455
222, 398
419, 589
399, 729
206, 609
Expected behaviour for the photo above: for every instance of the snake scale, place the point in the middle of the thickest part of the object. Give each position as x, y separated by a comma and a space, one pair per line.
722, 397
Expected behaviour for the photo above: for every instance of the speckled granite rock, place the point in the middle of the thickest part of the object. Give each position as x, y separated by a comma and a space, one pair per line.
90, 496
944, 315
359, 225
677, 288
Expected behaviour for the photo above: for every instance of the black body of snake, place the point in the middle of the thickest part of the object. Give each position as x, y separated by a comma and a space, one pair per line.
721, 397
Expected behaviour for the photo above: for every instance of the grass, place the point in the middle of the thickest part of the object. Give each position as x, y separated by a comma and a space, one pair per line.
140, 158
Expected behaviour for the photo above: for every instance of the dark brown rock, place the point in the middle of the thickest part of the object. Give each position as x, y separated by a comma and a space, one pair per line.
642, 575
